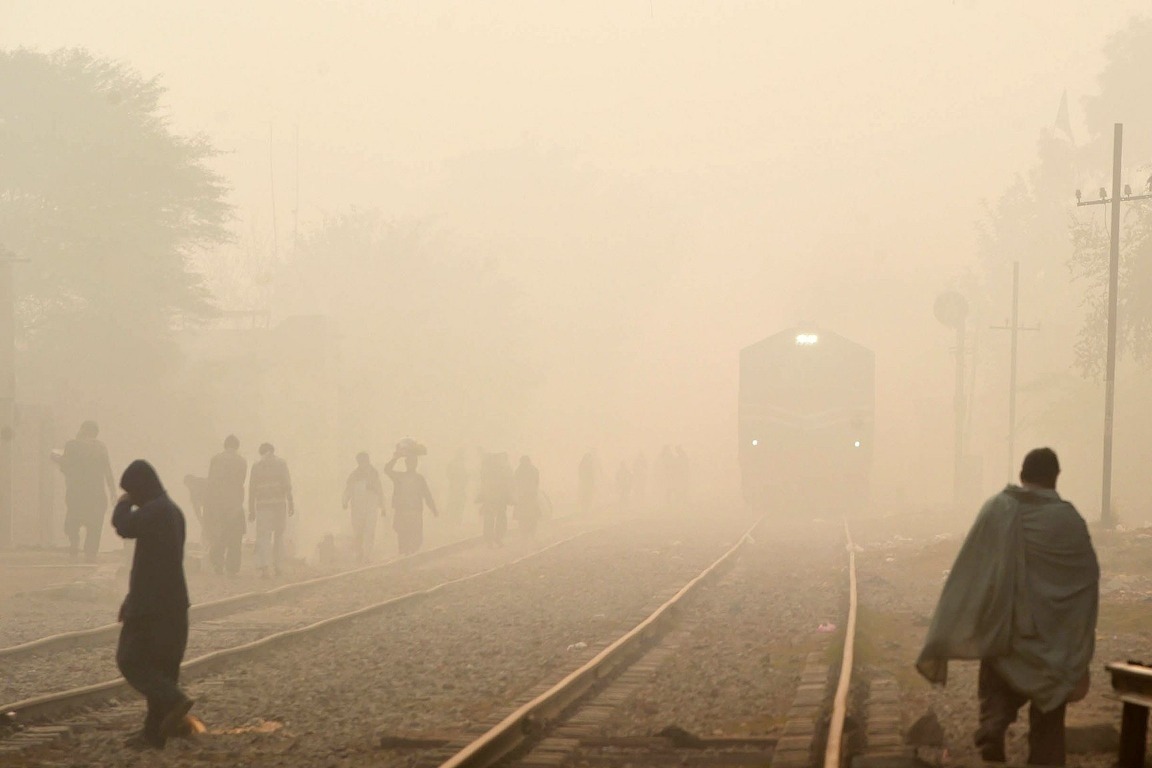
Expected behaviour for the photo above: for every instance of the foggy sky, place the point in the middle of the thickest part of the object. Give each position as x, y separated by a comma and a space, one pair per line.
670, 181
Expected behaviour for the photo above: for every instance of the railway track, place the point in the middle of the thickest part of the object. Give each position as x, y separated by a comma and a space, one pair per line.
316, 605
448, 667
570, 722
226, 605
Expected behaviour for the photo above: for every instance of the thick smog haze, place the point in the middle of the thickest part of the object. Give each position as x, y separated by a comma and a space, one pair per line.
648, 187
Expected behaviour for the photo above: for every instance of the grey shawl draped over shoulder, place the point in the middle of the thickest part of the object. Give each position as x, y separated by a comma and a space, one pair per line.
1023, 593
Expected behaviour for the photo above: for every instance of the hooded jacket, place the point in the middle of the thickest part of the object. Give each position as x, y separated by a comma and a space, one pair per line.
156, 586
1023, 594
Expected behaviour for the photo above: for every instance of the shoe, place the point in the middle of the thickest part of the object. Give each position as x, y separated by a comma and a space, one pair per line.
190, 727
174, 720
142, 741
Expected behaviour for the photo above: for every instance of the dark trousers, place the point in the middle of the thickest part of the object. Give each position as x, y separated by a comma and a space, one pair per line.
86, 513
149, 655
225, 537
999, 705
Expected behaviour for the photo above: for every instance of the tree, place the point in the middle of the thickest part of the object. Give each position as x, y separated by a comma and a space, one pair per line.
1122, 97
108, 206
433, 342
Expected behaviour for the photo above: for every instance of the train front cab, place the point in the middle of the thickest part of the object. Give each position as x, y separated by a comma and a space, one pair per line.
806, 424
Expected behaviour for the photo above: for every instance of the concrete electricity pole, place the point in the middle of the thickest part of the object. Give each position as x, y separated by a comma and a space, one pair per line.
1118, 195
7, 394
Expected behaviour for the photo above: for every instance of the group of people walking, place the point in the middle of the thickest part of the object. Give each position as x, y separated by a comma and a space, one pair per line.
218, 501
498, 488
364, 498
1022, 597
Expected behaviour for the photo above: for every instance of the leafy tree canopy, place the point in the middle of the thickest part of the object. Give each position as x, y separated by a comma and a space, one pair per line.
105, 202
444, 326
1036, 222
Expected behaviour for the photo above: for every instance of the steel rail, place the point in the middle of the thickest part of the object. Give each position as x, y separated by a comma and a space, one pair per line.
54, 704
226, 605
833, 750
532, 718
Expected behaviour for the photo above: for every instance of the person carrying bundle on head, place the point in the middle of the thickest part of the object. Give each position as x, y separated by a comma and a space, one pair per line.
409, 495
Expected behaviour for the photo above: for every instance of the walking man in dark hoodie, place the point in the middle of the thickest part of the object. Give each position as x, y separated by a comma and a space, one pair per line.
155, 612
1022, 599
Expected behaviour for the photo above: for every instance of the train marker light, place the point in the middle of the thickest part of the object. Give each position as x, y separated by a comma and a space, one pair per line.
856, 444
806, 339
755, 442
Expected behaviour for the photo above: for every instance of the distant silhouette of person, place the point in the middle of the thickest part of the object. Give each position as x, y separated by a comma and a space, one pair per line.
666, 474
224, 512
640, 479
526, 496
364, 495
89, 487
457, 486
155, 612
495, 495
586, 483
682, 475
269, 506
624, 486
409, 495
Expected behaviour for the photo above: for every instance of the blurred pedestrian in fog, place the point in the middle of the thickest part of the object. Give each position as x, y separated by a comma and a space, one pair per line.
666, 475
88, 489
269, 506
409, 495
496, 489
682, 474
639, 479
526, 496
1022, 597
365, 495
457, 486
155, 612
586, 483
225, 509
624, 486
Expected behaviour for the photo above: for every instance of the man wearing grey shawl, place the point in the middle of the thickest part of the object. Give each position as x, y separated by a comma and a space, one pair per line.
1021, 598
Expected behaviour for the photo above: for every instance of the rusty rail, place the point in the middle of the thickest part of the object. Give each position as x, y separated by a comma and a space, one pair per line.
53, 705
534, 717
227, 605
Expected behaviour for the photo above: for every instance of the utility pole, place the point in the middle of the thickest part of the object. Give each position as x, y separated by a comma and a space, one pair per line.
1015, 329
7, 394
1118, 195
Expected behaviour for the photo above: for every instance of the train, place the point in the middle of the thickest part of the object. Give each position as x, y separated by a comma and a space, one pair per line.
805, 425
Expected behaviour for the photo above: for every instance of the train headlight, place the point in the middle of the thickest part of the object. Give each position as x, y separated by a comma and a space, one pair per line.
755, 443
856, 444
806, 339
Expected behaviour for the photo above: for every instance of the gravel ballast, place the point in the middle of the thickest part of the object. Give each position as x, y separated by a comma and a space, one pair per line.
440, 666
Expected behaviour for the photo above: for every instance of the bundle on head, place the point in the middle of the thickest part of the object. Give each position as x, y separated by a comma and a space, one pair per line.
409, 447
